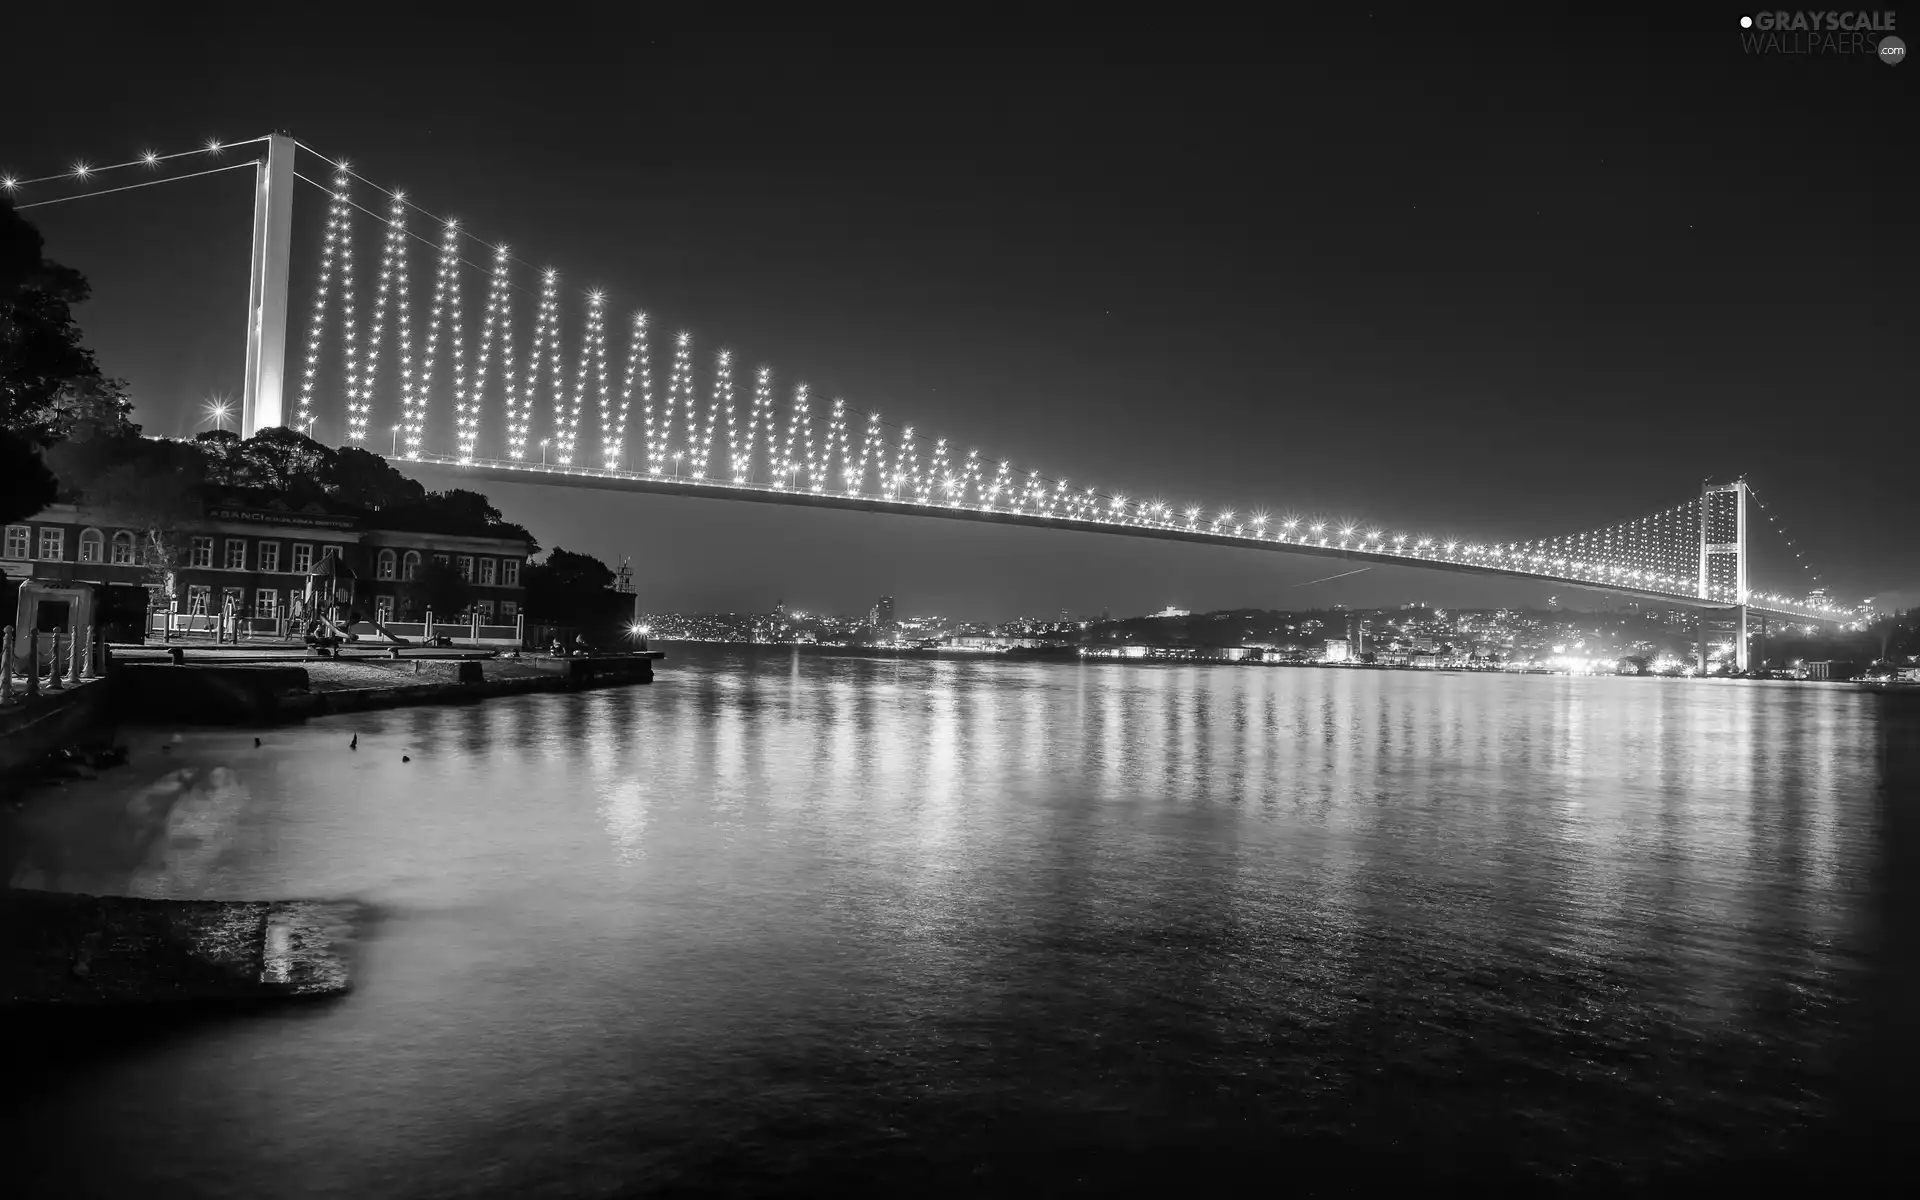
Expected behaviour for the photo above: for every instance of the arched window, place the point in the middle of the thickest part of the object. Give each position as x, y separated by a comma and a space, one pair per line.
123, 555
91, 545
383, 567
410, 565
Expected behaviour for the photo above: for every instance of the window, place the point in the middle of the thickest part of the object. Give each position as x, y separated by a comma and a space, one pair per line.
236, 554
53, 543
486, 571
202, 553
486, 612
232, 601
302, 558
410, 565
383, 567
269, 556
509, 572
266, 604
466, 567
123, 551
441, 559
199, 595
382, 608
19, 541
92, 544
508, 611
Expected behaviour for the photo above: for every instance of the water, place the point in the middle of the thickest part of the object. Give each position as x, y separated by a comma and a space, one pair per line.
788, 924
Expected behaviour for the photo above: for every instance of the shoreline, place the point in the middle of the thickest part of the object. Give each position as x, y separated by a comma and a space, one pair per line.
58, 734
1071, 654
266, 692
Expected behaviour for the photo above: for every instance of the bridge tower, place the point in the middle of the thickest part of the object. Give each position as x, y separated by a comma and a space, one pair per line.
263, 405
1723, 555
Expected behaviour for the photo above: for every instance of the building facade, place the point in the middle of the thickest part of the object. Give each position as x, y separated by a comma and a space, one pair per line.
259, 565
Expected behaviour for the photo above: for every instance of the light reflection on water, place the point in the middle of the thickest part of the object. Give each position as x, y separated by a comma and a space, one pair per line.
779, 914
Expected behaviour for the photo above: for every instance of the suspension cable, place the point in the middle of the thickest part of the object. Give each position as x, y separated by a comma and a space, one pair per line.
251, 162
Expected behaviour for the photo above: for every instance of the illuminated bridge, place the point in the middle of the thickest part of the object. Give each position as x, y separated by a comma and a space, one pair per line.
438, 346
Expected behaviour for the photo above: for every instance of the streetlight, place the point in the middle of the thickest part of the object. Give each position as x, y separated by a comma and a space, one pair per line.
543, 450
218, 410
395, 451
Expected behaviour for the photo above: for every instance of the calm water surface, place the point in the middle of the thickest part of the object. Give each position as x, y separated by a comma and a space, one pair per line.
785, 923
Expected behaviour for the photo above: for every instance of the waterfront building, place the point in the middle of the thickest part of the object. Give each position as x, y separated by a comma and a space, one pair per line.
259, 566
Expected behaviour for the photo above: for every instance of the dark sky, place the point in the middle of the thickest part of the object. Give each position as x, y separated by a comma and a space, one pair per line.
1495, 281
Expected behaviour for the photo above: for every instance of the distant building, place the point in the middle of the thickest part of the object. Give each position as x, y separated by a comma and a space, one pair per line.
1338, 650
1171, 611
881, 615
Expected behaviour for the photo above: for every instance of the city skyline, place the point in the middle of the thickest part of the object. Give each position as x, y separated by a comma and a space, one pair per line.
690, 553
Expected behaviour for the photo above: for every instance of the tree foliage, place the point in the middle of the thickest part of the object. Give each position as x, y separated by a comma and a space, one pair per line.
152, 485
363, 479
570, 589
27, 485
440, 588
42, 359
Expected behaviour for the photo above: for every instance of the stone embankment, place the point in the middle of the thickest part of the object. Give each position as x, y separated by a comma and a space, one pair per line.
268, 691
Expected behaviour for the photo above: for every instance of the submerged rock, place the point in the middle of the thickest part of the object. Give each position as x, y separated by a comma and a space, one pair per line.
62, 948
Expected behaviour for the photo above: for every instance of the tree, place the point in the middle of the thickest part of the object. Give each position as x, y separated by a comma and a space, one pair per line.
441, 589
569, 589
148, 485
456, 511
470, 510
41, 357
26, 483
227, 464
287, 462
366, 480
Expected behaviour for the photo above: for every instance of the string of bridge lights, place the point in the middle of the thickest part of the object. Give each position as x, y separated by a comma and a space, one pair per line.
1813, 576
1650, 553
82, 172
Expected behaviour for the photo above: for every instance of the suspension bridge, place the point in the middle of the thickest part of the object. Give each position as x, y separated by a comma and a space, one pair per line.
460, 353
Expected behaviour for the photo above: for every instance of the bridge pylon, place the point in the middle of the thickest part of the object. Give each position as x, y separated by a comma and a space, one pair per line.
1723, 555
263, 404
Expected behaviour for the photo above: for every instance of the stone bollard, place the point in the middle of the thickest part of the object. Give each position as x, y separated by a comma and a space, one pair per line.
33, 666
86, 659
53, 665
6, 666
74, 658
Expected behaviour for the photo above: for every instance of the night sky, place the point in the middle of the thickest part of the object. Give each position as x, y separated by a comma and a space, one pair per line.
1492, 282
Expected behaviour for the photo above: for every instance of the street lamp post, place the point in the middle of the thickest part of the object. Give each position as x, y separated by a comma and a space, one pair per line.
543, 450
394, 451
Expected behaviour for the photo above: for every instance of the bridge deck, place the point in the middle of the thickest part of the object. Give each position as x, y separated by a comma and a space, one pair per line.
629, 481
